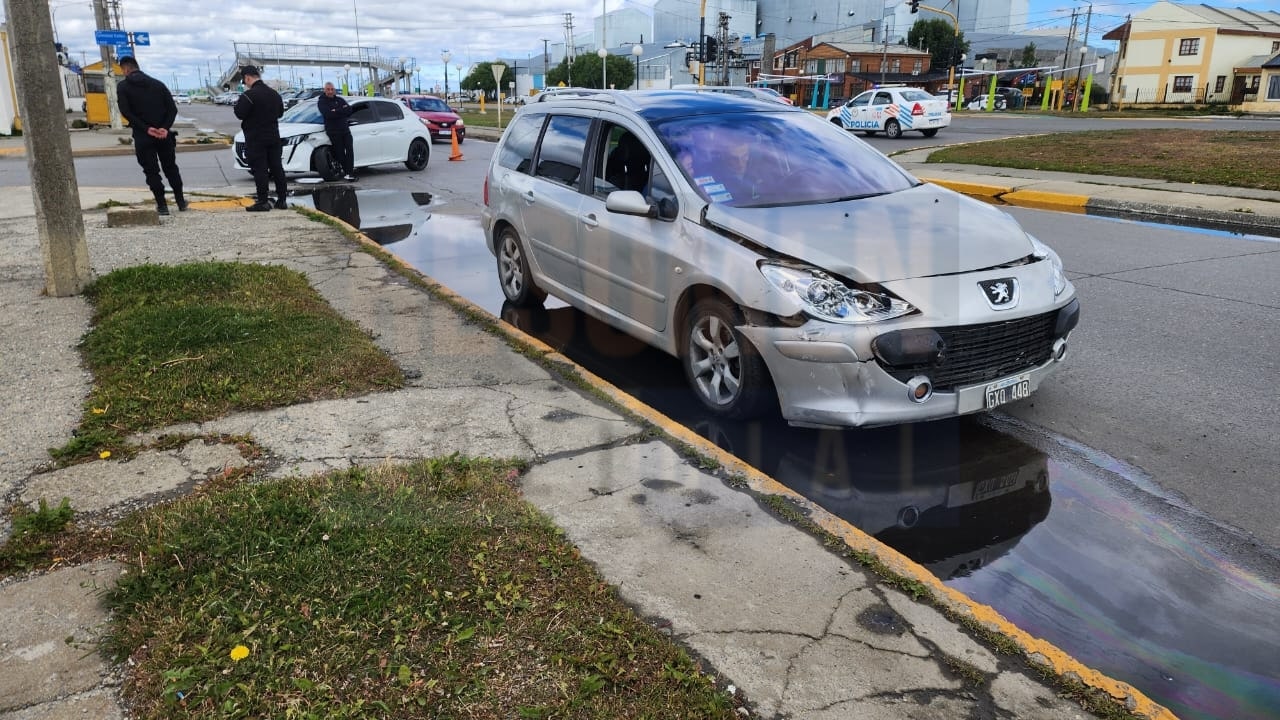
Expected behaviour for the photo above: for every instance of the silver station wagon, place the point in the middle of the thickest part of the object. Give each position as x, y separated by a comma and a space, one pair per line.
786, 263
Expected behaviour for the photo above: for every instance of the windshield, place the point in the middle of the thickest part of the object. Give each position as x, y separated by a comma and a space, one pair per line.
306, 112
916, 95
768, 159
427, 105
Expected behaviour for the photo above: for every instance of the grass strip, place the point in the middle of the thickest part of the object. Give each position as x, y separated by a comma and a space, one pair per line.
193, 342
1248, 159
415, 591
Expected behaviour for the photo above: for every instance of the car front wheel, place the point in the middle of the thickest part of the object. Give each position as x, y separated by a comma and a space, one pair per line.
513, 272
323, 162
725, 371
892, 130
419, 153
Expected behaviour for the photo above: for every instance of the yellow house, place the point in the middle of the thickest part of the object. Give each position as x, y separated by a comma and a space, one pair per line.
1265, 95
95, 95
1172, 53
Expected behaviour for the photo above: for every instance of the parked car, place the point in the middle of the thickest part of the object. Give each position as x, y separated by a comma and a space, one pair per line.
227, 98
784, 262
759, 93
893, 111
382, 131
439, 118
301, 95
1006, 98
182, 99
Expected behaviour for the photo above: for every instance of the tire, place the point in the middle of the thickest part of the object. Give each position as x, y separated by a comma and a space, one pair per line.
836, 121
725, 371
323, 162
892, 129
514, 277
868, 133
419, 154
930, 132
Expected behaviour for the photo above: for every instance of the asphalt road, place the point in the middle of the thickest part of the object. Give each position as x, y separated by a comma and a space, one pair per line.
1170, 365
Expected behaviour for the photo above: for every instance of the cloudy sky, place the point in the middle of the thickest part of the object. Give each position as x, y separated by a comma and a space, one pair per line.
188, 38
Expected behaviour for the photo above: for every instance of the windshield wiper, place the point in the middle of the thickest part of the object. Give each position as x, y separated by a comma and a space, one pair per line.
862, 196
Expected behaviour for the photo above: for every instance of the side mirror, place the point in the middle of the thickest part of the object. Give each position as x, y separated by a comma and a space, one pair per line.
629, 202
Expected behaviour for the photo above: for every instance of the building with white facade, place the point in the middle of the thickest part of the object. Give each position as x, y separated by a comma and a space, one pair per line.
1171, 53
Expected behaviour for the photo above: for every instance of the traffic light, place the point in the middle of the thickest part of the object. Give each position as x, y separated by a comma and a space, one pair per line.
915, 6
713, 48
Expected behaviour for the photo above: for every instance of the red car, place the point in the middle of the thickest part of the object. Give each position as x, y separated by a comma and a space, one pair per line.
439, 118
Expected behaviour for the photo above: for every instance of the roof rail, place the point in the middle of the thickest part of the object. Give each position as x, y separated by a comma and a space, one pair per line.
615, 97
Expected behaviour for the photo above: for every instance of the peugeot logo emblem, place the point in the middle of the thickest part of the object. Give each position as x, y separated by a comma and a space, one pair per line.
1001, 293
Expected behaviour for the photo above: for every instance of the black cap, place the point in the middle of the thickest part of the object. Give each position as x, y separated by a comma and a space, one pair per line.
250, 70
126, 59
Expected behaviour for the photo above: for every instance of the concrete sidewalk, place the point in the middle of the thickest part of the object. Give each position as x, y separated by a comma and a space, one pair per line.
102, 142
796, 627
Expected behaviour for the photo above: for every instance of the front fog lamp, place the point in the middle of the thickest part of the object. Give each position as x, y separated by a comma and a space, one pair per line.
826, 298
1044, 252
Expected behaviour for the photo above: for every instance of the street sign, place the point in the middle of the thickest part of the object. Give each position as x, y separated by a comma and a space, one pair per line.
111, 37
123, 50
141, 38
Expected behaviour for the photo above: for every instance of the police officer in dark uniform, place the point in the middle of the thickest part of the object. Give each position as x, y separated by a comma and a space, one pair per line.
148, 106
259, 109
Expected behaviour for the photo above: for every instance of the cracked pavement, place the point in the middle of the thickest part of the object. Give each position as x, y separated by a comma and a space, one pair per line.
797, 629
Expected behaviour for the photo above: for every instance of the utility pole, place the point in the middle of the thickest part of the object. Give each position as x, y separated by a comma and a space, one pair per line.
1083, 46
54, 189
951, 76
702, 44
1066, 60
568, 48
103, 22
723, 47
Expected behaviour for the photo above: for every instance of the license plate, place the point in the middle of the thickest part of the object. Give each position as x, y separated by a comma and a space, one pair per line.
1008, 390
985, 489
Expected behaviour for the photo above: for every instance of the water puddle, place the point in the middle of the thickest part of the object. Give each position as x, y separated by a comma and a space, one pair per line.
1069, 545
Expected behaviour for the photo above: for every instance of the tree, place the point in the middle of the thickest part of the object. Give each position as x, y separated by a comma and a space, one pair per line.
481, 78
940, 37
1028, 56
585, 72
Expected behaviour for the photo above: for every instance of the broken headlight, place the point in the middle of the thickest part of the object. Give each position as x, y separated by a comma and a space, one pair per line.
1043, 252
826, 298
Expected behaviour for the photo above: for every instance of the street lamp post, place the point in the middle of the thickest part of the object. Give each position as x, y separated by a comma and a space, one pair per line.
637, 51
446, 56
346, 79
458, 67
602, 54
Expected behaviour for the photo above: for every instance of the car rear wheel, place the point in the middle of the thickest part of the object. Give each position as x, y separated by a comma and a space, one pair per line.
892, 129
725, 371
930, 132
419, 153
836, 121
323, 162
513, 272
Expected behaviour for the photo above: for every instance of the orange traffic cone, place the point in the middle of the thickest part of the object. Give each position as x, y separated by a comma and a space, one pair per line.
457, 152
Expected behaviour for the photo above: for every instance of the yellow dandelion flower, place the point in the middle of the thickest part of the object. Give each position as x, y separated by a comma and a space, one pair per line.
99, 411
104, 454
239, 653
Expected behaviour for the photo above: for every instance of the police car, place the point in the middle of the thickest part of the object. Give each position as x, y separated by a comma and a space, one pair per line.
893, 111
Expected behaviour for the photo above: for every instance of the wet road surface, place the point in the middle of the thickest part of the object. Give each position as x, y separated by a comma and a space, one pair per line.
1070, 545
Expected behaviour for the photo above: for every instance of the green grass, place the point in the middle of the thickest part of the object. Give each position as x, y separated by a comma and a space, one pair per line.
34, 534
194, 342
1249, 159
421, 591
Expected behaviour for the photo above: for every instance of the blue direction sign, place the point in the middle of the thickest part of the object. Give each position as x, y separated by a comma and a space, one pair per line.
141, 38
123, 50
111, 37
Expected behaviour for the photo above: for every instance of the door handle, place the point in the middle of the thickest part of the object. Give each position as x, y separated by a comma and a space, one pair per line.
589, 220
528, 196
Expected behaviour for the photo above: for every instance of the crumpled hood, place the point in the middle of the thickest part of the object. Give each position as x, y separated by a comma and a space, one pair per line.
923, 231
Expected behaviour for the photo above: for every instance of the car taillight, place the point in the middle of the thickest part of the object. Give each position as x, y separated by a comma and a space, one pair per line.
917, 109
486, 191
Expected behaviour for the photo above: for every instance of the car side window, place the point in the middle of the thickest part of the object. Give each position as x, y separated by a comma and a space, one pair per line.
363, 114
388, 111
883, 98
521, 138
622, 162
563, 147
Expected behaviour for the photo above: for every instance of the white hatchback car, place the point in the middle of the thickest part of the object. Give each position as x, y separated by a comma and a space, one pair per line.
893, 111
383, 131
182, 99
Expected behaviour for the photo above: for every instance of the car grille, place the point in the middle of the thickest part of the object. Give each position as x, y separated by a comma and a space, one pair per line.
981, 353
240, 152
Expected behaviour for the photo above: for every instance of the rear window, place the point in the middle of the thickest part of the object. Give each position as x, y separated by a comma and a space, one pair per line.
767, 159
917, 95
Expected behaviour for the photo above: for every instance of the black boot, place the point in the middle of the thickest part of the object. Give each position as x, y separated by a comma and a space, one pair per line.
161, 208
180, 201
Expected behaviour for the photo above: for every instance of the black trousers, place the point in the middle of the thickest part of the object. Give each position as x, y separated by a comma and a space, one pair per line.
342, 150
156, 155
264, 160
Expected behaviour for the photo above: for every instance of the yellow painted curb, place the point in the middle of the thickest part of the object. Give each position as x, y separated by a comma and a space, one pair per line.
13, 151
1063, 202
1037, 650
222, 204
968, 188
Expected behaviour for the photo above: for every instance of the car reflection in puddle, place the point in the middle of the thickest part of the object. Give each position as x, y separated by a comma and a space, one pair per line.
385, 216
953, 496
